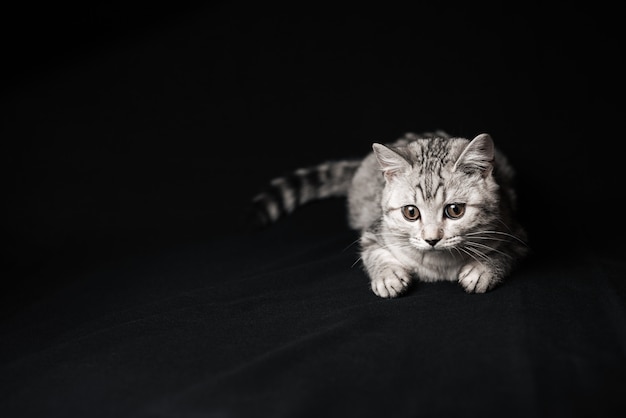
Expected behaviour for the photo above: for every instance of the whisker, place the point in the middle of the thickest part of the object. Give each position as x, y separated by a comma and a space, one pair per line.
466, 251
393, 234
487, 247
491, 239
478, 252
506, 234
400, 246
356, 262
351, 244
452, 254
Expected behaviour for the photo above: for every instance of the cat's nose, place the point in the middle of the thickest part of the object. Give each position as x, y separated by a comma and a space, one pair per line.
432, 242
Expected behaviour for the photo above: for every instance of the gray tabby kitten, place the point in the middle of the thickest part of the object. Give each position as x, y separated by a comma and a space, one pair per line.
431, 207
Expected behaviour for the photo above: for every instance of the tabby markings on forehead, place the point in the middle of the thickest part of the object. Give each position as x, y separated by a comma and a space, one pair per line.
426, 187
432, 152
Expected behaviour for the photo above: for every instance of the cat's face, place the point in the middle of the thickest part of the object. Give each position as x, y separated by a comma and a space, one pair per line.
434, 198
440, 212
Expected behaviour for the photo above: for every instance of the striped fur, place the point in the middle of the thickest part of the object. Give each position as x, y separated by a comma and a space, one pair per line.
458, 193
285, 194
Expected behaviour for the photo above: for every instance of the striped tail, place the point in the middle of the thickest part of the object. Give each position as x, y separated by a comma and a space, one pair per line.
285, 194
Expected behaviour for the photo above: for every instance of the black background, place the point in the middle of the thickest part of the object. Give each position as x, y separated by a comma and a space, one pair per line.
135, 134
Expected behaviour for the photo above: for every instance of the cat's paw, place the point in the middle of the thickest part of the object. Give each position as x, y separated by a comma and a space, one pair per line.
391, 282
477, 278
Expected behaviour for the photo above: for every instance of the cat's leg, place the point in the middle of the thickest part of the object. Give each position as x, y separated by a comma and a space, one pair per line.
475, 277
388, 277
479, 276
488, 269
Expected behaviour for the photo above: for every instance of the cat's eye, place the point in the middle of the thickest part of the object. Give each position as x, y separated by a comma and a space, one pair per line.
454, 210
410, 213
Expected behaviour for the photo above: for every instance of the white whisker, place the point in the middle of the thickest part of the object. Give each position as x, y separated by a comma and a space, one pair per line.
506, 234
491, 239
351, 244
487, 247
466, 251
356, 262
477, 251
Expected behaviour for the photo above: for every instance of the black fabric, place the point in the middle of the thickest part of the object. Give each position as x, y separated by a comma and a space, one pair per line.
134, 140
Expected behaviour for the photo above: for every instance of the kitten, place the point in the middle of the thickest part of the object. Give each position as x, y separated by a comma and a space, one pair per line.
431, 207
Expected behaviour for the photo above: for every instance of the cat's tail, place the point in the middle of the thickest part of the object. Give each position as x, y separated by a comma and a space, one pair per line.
286, 193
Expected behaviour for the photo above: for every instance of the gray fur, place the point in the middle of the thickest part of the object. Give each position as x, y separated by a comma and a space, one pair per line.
430, 175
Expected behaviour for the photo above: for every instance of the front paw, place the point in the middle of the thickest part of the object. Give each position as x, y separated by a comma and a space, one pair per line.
477, 278
391, 282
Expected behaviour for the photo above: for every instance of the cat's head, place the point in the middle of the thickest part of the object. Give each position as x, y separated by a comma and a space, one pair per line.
439, 191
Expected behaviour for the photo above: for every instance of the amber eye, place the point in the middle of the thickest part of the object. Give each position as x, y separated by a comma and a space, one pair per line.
410, 213
454, 210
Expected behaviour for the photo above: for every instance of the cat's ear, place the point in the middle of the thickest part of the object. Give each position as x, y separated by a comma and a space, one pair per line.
478, 156
390, 161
